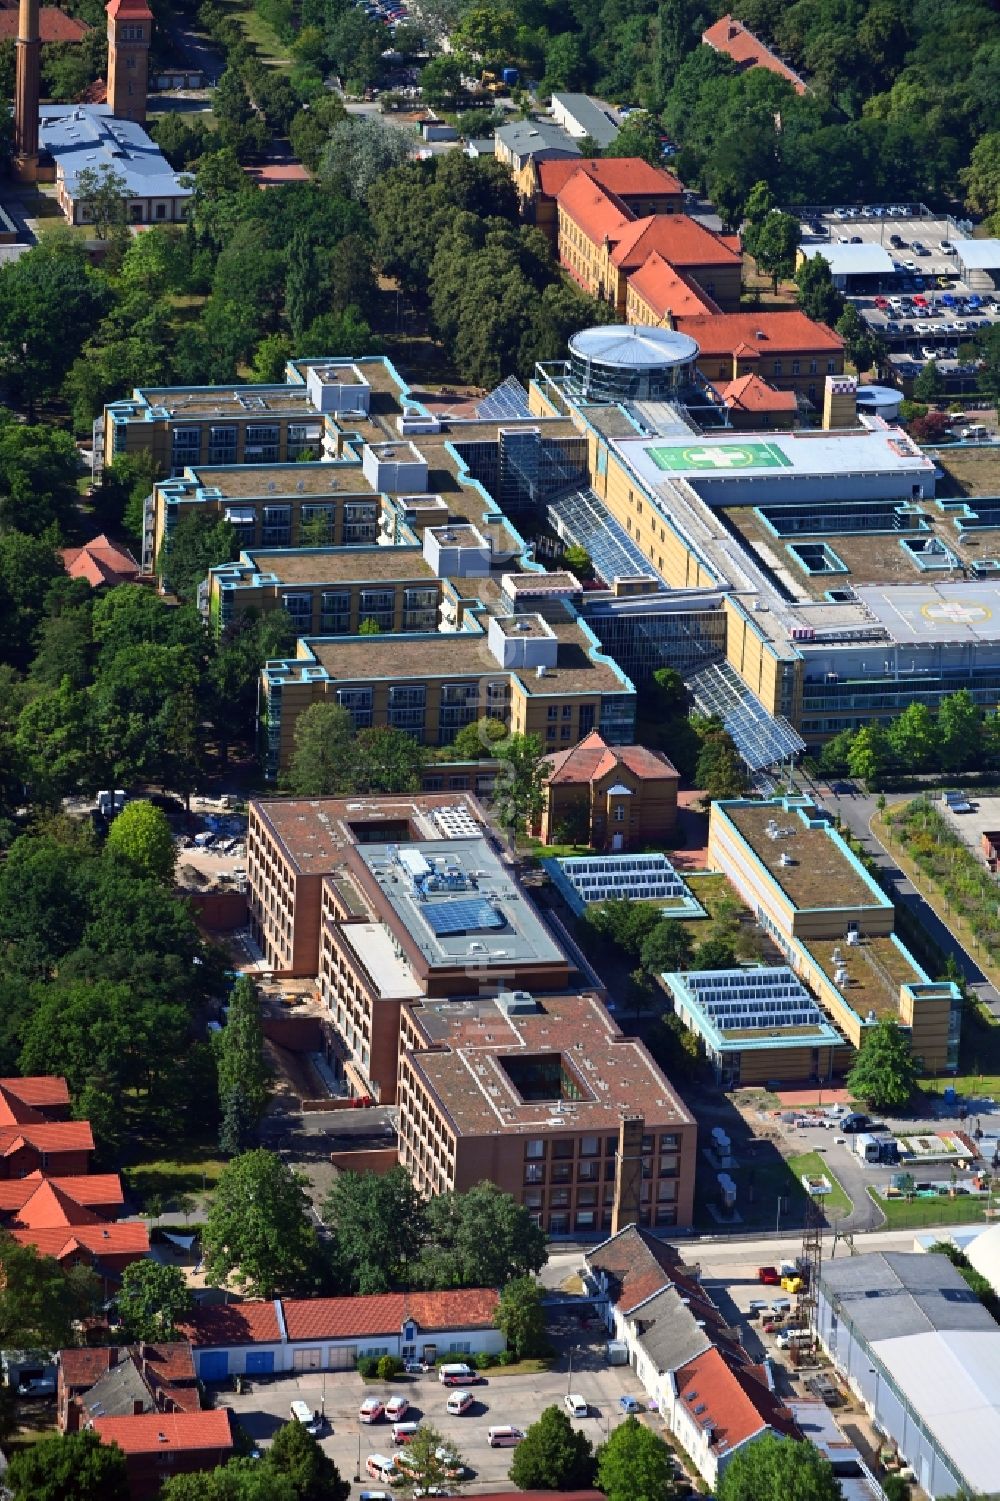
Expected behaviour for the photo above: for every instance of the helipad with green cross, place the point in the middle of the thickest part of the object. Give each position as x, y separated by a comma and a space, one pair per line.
719, 457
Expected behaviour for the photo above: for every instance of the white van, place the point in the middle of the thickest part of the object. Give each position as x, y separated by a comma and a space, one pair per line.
402, 1433
382, 1468
455, 1375
301, 1412
799, 1338
504, 1437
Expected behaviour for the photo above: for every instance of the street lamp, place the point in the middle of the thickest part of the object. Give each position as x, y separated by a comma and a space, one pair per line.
357, 1473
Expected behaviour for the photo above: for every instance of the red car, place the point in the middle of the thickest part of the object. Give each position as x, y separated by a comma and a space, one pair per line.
919, 300
769, 1275
881, 303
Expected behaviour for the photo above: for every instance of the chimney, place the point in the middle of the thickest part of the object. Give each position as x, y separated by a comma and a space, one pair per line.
26, 93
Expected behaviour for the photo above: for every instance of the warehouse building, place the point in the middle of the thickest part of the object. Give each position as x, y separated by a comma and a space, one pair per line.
922, 1353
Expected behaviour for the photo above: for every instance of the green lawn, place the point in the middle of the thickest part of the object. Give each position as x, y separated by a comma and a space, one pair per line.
270, 49
835, 1203
193, 1170
923, 1214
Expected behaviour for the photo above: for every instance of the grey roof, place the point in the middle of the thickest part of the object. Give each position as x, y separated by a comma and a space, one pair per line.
670, 1333
78, 136
591, 119
117, 1392
979, 255
886, 1294
853, 260
633, 345
525, 138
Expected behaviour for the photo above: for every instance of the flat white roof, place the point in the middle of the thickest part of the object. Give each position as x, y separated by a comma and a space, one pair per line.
862, 451
926, 613
979, 255
951, 1378
376, 948
852, 260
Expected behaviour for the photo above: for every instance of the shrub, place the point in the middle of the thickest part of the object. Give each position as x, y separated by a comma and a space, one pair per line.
389, 1366
368, 1366
505, 1357
483, 1359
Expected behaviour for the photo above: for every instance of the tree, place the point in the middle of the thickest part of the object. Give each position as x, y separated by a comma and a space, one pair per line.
441, 81
578, 560
775, 245
478, 739
480, 1238
39, 1300
378, 1222
54, 744
913, 738
141, 835
959, 728
104, 192
321, 752
199, 541
666, 948
818, 297
431, 1461
885, 1073
519, 793
242, 1070
639, 136
624, 922
239, 1480
153, 1299
716, 952
258, 1233
520, 1317
635, 1465
360, 151
73, 1464
929, 384
868, 755
861, 346
553, 1455
981, 178
774, 1469
296, 1455
385, 759
720, 770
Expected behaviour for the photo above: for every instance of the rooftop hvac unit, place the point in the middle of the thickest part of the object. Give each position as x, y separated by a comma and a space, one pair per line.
786, 858
838, 957
541, 670
772, 831
853, 938
841, 977
871, 1017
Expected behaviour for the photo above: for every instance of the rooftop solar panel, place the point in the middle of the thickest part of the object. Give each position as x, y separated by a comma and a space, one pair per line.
583, 519
469, 915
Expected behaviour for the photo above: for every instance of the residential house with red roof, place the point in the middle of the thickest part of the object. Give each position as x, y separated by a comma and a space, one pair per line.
730, 36
712, 1395
58, 1220
643, 189
101, 562
658, 294
610, 797
755, 406
33, 1133
601, 242
123, 1381
54, 25
159, 1445
787, 350
330, 1334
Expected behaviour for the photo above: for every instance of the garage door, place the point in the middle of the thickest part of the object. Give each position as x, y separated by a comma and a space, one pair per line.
260, 1362
307, 1360
214, 1365
342, 1357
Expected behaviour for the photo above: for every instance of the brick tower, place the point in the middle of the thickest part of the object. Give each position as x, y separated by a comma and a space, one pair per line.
26, 93
130, 26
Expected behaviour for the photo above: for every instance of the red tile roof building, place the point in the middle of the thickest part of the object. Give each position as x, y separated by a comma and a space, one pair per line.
159, 1445
163, 1375
730, 36
610, 797
641, 188
754, 405
46, 1198
788, 350
235, 1338
658, 294
711, 1394
101, 562
601, 242
54, 25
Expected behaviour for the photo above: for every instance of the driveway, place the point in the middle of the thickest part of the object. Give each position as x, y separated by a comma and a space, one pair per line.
515, 1399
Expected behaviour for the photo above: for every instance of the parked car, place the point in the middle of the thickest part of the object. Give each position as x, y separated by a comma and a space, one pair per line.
416, 1367
629, 1405
755, 1308
396, 1409
372, 1410
575, 1405
458, 1403
769, 1276
36, 1386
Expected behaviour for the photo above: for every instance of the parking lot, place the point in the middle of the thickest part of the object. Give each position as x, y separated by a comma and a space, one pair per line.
501, 1399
